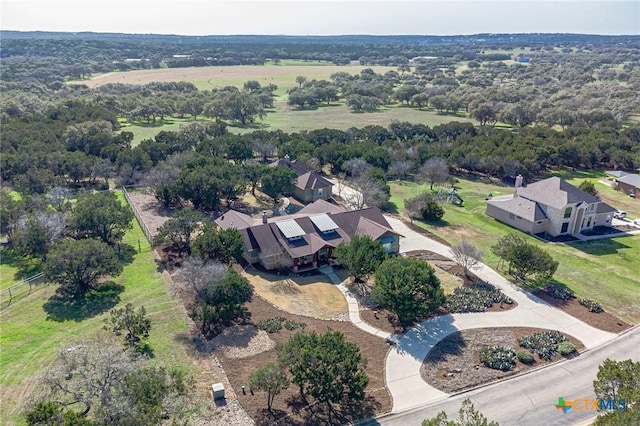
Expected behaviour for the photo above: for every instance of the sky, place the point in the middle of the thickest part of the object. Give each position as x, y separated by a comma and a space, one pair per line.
323, 17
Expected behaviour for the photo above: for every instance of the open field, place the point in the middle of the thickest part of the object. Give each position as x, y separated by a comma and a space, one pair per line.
33, 327
207, 78
282, 116
605, 270
313, 295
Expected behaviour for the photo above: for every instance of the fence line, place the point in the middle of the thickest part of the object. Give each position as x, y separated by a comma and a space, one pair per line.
138, 216
16, 291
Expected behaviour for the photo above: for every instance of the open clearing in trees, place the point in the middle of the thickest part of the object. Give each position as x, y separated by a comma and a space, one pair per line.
282, 116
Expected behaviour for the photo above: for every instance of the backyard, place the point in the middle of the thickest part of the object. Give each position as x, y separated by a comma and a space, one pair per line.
34, 326
602, 270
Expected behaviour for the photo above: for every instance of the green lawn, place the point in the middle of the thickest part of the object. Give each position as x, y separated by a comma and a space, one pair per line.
603, 270
142, 131
14, 269
29, 338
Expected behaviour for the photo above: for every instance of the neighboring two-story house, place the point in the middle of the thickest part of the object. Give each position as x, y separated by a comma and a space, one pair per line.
306, 240
309, 185
552, 206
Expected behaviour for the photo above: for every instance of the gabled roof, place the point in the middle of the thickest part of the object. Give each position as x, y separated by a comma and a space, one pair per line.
616, 173
312, 180
555, 192
298, 166
234, 219
521, 207
604, 208
330, 228
321, 206
630, 179
372, 229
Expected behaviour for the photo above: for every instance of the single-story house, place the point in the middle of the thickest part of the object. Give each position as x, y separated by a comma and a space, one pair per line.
630, 185
309, 186
306, 240
552, 206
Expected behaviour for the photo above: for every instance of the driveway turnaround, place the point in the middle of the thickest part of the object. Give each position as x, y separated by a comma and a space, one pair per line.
530, 399
405, 358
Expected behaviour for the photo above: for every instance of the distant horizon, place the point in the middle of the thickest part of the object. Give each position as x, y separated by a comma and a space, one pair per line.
319, 35
323, 17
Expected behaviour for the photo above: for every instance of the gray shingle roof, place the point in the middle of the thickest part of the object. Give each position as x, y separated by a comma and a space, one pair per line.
616, 173
521, 207
312, 180
630, 179
555, 192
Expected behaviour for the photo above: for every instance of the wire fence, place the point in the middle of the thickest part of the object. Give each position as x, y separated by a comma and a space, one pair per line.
138, 216
20, 290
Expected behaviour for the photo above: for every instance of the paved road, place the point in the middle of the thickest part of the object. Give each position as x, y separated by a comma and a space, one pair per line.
529, 399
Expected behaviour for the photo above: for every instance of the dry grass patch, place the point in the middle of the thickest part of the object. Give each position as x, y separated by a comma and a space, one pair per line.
314, 295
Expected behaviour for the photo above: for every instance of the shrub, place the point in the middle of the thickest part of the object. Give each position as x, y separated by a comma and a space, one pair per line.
566, 348
545, 343
475, 298
593, 306
292, 325
525, 357
498, 357
270, 325
560, 292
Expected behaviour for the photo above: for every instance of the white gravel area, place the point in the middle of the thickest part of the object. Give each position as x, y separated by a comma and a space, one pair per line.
242, 341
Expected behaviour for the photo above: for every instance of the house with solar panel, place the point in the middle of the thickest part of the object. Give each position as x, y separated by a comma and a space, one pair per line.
306, 240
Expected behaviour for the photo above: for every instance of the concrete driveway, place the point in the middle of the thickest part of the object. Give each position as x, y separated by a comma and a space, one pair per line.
404, 360
528, 400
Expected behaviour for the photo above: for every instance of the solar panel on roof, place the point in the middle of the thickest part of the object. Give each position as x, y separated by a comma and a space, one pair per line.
323, 222
290, 228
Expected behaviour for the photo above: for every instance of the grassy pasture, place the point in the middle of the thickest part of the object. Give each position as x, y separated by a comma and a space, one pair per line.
282, 116
603, 270
34, 326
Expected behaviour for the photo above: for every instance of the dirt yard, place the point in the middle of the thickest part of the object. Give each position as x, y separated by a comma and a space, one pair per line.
153, 215
454, 363
603, 321
288, 403
312, 295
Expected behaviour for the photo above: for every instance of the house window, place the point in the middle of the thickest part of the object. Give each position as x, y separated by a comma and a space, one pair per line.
512, 216
592, 207
567, 212
565, 227
320, 192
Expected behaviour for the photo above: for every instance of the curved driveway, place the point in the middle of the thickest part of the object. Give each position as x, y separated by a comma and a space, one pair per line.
405, 358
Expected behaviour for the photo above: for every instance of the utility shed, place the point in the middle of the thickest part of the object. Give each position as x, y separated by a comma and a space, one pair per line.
218, 391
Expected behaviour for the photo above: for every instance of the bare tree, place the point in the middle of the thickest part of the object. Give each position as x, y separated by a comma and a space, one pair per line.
467, 255
87, 374
355, 167
434, 170
366, 192
400, 168
196, 276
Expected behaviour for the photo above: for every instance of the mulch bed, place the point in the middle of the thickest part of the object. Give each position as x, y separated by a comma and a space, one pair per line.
454, 363
426, 233
287, 405
603, 321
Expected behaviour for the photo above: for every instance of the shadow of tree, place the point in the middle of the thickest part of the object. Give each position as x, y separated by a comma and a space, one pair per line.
125, 253
453, 344
61, 307
349, 412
